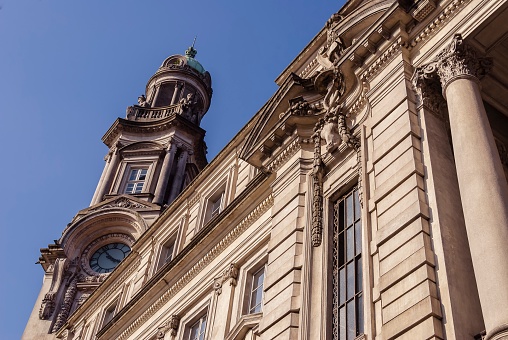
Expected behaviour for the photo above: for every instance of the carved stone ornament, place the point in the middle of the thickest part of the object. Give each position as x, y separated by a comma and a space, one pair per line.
48, 302
429, 93
122, 202
174, 323
231, 272
333, 129
65, 308
457, 60
300, 107
329, 54
187, 108
171, 325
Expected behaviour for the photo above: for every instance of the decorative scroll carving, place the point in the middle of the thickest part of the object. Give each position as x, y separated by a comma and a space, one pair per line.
231, 272
66, 306
171, 325
122, 202
458, 59
300, 107
174, 323
428, 93
48, 302
317, 190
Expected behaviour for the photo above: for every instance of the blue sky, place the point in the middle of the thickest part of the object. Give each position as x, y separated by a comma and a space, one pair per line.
68, 69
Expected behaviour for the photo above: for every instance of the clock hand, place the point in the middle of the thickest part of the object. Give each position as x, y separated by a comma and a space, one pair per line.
111, 258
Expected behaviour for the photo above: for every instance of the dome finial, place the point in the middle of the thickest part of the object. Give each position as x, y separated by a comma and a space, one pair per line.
191, 51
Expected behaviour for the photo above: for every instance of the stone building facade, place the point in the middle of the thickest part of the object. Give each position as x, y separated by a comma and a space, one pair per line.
367, 199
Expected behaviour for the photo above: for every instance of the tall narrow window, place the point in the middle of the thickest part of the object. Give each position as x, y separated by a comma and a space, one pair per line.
136, 181
197, 330
256, 291
216, 205
109, 313
347, 268
167, 252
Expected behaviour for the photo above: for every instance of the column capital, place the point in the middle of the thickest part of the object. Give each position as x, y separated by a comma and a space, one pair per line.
428, 93
458, 60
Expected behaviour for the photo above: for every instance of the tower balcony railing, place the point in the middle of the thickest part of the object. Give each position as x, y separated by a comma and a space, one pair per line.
140, 113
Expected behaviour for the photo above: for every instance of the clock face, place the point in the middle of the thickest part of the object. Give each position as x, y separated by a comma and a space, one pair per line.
107, 257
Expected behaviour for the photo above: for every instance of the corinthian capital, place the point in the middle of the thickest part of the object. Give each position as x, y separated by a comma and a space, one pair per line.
460, 60
428, 91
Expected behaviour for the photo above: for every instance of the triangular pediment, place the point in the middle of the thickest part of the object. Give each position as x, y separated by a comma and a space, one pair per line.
269, 129
119, 202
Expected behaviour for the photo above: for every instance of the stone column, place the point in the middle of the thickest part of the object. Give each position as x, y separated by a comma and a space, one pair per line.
176, 94
162, 183
101, 180
482, 184
108, 178
179, 176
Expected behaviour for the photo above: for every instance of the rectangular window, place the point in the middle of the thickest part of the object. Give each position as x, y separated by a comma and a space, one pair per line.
136, 181
167, 252
256, 291
109, 313
347, 266
216, 205
197, 329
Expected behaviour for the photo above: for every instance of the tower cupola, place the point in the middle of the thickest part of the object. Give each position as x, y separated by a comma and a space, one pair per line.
181, 85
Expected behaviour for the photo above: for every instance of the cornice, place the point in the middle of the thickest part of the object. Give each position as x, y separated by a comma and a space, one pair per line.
124, 125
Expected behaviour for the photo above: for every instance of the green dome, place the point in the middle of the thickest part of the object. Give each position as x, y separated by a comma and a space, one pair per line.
190, 53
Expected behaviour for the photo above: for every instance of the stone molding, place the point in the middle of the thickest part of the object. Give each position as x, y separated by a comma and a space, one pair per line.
231, 272
285, 155
198, 267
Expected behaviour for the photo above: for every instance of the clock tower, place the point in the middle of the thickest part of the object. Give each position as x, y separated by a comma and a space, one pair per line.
154, 153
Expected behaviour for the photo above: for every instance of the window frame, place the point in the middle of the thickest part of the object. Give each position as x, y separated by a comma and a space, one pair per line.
254, 290
135, 182
170, 243
356, 260
197, 317
109, 312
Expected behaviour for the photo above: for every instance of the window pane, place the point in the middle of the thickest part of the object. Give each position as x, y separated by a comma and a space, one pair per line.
342, 323
359, 315
133, 175
342, 286
350, 247
258, 278
350, 272
358, 210
341, 216
358, 237
351, 333
341, 250
359, 275
349, 210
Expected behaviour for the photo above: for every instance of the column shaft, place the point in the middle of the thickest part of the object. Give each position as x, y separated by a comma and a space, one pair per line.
179, 176
162, 183
101, 182
484, 195
108, 178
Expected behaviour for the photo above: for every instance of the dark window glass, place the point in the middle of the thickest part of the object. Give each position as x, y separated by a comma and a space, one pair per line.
347, 261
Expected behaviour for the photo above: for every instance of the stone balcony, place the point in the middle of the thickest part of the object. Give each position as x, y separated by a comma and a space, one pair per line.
138, 113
